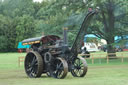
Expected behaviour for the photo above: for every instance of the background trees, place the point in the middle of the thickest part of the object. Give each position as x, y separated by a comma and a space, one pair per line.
16, 23
109, 22
20, 19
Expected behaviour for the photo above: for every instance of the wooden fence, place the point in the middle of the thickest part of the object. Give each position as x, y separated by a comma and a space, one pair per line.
20, 60
107, 57
122, 57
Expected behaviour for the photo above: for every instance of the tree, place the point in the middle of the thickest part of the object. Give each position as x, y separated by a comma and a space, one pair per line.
109, 22
7, 33
55, 16
16, 23
25, 27
21, 19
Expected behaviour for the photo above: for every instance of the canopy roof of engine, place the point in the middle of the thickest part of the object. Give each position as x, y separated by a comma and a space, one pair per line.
43, 39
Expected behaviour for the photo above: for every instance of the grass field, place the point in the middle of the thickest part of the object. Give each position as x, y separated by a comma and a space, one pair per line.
98, 74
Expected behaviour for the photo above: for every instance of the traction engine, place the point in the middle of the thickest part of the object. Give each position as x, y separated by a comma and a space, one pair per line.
51, 55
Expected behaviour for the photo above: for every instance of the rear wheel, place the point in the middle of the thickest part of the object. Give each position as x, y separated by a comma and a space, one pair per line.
59, 68
79, 67
33, 64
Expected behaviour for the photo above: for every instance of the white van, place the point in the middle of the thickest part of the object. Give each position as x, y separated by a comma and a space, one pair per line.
90, 47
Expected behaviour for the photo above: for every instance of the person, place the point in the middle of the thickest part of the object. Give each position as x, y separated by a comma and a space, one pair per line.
84, 51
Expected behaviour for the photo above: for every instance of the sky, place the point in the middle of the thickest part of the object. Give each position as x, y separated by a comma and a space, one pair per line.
37, 0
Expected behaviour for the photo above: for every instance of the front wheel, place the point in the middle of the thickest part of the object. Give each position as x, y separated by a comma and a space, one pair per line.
58, 68
79, 67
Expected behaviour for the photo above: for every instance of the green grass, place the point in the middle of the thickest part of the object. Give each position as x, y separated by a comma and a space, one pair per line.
98, 74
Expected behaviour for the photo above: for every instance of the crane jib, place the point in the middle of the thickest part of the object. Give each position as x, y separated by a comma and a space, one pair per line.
76, 47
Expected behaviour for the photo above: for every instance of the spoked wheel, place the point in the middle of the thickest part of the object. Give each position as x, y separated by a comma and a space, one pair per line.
33, 64
80, 67
59, 68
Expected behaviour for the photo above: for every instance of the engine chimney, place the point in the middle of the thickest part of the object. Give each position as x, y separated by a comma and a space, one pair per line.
65, 36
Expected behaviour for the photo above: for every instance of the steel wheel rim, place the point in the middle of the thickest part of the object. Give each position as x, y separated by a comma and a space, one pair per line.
59, 68
80, 67
33, 64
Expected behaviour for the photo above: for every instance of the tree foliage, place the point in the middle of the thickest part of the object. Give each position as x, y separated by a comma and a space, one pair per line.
16, 23
110, 21
21, 19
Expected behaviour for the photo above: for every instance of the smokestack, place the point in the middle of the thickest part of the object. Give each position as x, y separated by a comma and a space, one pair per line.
65, 36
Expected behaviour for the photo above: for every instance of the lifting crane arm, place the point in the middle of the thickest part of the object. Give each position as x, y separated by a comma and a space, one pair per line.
76, 47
